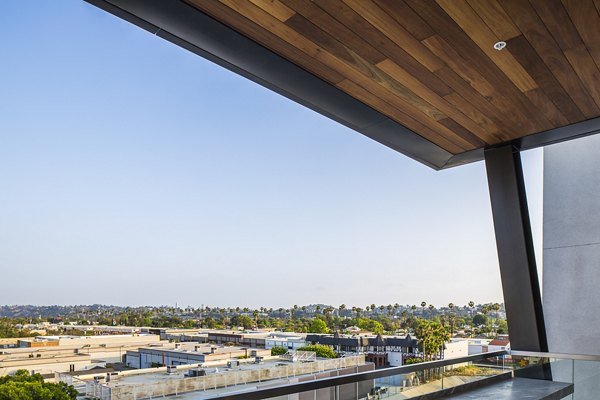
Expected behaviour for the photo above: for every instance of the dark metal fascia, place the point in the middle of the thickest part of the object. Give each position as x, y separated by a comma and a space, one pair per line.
187, 27
546, 138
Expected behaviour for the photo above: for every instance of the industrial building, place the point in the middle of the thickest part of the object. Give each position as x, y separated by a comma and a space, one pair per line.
50, 354
169, 354
288, 340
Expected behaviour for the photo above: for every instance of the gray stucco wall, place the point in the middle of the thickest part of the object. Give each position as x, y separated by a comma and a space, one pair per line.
571, 274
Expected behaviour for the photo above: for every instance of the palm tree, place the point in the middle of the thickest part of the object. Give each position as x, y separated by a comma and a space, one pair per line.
451, 317
423, 304
471, 305
342, 307
431, 307
485, 310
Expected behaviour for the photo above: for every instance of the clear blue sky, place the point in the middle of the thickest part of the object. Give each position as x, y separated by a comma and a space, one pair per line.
134, 172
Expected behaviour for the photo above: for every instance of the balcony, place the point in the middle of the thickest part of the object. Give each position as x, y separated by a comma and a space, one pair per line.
495, 375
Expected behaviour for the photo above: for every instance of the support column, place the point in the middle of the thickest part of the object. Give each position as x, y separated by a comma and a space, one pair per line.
516, 257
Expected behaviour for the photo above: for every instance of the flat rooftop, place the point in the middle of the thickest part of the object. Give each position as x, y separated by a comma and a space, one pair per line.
164, 376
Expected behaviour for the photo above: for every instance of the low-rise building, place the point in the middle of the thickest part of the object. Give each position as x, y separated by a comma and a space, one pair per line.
478, 345
170, 354
288, 340
51, 354
250, 339
456, 348
380, 350
501, 342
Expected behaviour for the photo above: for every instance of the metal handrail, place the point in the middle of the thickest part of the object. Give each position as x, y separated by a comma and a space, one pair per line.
351, 378
583, 357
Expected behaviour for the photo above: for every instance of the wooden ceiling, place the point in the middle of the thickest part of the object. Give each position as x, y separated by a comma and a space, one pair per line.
431, 65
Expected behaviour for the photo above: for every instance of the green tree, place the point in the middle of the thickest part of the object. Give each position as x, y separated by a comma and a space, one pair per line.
23, 386
242, 320
318, 326
480, 319
320, 350
278, 350
432, 336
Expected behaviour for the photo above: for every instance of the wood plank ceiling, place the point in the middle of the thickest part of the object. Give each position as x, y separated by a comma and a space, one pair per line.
431, 65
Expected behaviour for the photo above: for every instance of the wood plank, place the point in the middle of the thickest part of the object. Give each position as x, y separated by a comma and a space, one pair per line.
356, 69
371, 74
462, 132
532, 62
477, 115
333, 27
418, 115
398, 115
329, 43
506, 123
275, 8
406, 17
546, 107
401, 98
267, 39
505, 106
586, 69
525, 17
350, 18
586, 19
483, 36
440, 103
395, 32
476, 59
495, 18
308, 56
557, 21
469, 101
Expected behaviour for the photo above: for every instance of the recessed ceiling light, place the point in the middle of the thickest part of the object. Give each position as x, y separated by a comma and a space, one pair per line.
500, 45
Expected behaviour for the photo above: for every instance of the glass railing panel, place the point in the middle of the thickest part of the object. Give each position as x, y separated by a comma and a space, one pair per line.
406, 382
413, 384
582, 371
493, 368
586, 377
